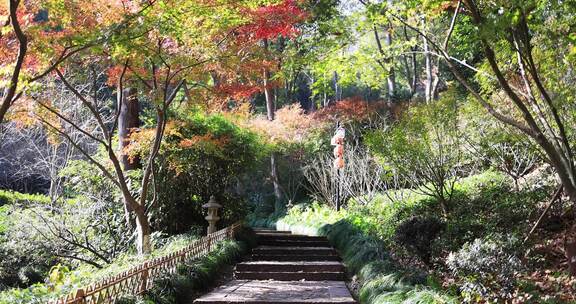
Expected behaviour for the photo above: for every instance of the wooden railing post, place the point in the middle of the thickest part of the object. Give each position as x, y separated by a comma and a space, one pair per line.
79, 297
144, 284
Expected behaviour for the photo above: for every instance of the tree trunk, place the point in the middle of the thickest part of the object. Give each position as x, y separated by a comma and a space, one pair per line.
128, 120
428, 66
386, 62
570, 249
413, 75
337, 89
436, 82
273, 170
10, 91
143, 229
276, 184
444, 206
270, 107
391, 79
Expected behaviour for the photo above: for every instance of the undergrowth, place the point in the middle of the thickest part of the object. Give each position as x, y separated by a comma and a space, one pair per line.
13, 197
195, 275
382, 280
367, 234
71, 280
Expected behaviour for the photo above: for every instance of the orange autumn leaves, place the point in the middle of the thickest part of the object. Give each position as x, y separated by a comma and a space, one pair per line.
294, 125
51, 26
142, 138
349, 109
206, 141
241, 78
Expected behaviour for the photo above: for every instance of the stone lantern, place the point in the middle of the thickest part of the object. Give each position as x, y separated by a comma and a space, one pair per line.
212, 216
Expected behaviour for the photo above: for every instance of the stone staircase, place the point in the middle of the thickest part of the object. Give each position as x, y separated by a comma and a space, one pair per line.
286, 269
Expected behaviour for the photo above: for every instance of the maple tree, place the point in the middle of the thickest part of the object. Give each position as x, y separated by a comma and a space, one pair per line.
268, 28
162, 60
38, 36
247, 71
272, 21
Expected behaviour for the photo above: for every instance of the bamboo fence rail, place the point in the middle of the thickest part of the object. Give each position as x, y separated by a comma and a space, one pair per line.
140, 278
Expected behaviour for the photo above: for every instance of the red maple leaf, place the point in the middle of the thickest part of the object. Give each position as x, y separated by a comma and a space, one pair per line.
273, 21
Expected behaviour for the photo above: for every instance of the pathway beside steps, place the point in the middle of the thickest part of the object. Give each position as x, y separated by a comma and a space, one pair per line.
286, 269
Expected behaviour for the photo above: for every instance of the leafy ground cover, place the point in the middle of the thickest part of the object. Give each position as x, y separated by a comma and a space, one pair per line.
195, 275
63, 280
12, 197
384, 244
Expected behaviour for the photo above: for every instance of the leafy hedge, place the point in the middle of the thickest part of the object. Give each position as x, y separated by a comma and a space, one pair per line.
11, 197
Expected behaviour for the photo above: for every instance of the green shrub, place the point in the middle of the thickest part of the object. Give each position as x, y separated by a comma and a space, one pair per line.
425, 149
417, 234
12, 197
381, 217
487, 269
203, 155
487, 204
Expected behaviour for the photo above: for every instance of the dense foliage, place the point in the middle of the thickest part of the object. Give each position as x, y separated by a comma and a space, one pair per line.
120, 119
203, 155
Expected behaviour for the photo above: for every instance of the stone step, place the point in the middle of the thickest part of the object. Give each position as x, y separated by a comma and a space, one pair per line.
293, 257
294, 243
271, 231
290, 266
290, 276
289, 237
275, 250
279, 292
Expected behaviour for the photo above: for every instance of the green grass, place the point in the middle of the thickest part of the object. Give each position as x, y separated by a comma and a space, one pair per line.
12, 197
3, 218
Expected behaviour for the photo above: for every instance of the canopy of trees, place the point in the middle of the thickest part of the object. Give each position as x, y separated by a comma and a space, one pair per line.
119, 119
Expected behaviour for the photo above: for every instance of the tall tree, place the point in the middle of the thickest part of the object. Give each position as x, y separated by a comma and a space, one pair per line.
269, 24
536, 102
160, 60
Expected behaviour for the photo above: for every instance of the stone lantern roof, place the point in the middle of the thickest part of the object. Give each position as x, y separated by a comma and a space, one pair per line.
212, 203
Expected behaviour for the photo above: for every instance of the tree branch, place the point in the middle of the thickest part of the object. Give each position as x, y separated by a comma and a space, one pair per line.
8, 98
79, 148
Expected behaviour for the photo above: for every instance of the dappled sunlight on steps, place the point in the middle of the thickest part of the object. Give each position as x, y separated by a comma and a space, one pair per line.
286, 269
